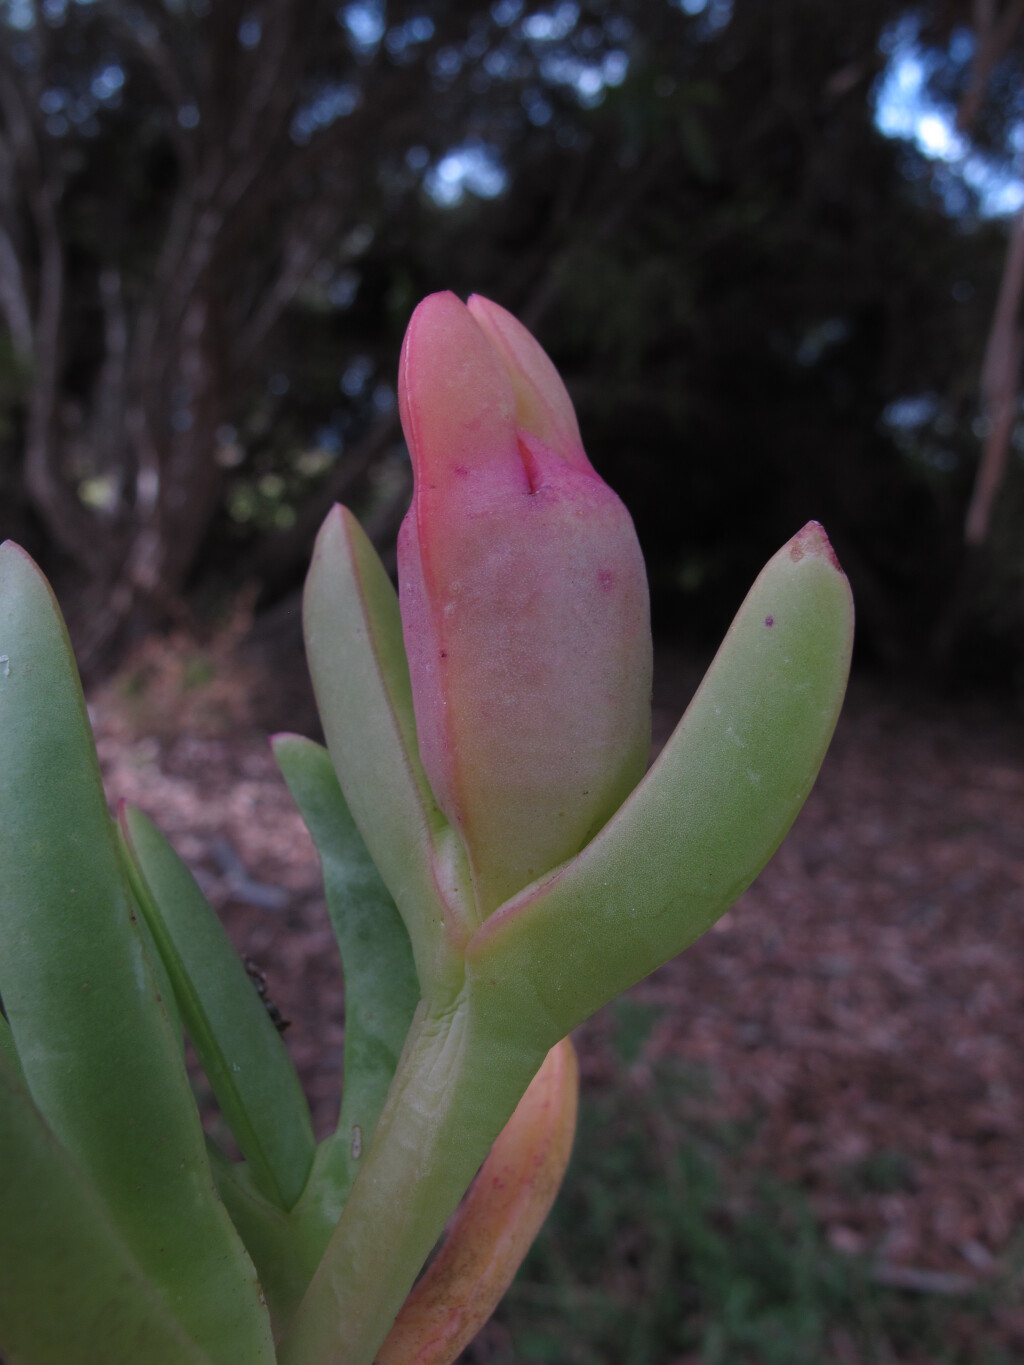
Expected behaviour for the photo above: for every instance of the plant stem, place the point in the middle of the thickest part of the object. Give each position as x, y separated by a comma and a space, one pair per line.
455, 1088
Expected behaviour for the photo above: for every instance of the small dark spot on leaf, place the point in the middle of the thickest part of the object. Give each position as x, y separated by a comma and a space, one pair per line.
769, 620
259, 980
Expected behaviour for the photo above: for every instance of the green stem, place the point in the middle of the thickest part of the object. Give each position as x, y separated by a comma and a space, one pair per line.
454, 1090
285, 1247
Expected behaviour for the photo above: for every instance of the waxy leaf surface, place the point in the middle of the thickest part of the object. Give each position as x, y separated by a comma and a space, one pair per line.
496, 1223
524, 600
239, 1048
361, 678
71, 1290
98, 1052
381, 989
703, 822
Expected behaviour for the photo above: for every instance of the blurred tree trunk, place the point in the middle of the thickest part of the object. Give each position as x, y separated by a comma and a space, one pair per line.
1000, 387
996, 28
247, 209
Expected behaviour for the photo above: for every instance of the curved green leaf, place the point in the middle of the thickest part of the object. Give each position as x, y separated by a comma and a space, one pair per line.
381, 990
97, 1049
361, 679
239, 1048
70, 1288
703, 822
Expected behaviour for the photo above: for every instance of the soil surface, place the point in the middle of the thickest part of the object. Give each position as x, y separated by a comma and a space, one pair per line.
862, 1006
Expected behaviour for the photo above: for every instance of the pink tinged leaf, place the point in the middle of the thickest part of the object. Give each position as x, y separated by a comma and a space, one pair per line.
495, 1224
544, 409
524, 601
702, 823
457, 407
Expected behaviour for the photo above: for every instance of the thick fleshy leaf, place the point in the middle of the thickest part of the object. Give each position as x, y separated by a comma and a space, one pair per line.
456, 1086
524, 601
694, 833
242, 1053
496, 1222
542, 403
458, 409
164, 988
71, 1289
361, 679
285, 1247
701, 825
97, 1049
381, 989
7, 1048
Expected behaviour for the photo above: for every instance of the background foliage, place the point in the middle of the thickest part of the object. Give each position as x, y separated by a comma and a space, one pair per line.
215, 219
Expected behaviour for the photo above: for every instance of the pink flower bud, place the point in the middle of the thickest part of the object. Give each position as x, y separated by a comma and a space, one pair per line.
524, 600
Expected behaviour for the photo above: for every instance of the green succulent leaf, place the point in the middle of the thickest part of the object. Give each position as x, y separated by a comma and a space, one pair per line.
7, 1047
453, 1092
688, 840
381, 989
97, 1049
285, 1247
703, 822
71, 1288
240, 1050
361, 679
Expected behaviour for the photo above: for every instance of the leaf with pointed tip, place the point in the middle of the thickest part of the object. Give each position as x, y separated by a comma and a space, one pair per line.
702, 823
240, 1050
70, 1287
495, 1224
361, 679
381, 990
97, 1049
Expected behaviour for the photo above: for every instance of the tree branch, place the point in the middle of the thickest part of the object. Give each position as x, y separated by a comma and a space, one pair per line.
995, 32
1000, 381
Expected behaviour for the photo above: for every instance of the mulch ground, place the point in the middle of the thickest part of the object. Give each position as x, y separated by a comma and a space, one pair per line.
862, 1006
